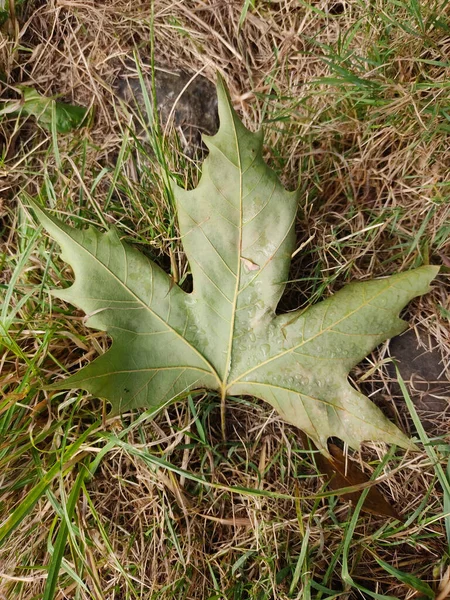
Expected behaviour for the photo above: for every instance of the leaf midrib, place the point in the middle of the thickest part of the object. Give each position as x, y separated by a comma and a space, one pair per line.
228, 363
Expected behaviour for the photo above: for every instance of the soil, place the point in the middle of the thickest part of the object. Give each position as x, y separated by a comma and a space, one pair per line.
423, 369
189, 100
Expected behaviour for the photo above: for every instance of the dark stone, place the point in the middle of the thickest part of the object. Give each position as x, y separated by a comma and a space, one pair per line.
422, 368
190, 102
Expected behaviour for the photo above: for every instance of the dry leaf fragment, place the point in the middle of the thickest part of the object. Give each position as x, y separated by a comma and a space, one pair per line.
342, 473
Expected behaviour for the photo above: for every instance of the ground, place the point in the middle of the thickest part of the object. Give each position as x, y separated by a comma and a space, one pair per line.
354, 100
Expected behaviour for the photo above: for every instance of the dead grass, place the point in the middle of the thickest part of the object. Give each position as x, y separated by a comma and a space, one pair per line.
354, 96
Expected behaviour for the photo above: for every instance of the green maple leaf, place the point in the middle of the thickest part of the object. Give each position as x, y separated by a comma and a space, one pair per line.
237, 229
47, 111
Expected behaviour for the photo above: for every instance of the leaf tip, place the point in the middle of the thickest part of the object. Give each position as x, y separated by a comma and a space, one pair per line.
228, 118
221, 86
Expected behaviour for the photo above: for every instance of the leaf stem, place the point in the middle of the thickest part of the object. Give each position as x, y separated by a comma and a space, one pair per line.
223, 413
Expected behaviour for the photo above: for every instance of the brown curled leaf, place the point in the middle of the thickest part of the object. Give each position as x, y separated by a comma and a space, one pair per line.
342, 473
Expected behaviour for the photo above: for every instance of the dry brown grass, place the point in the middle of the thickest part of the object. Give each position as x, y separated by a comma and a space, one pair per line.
367, 142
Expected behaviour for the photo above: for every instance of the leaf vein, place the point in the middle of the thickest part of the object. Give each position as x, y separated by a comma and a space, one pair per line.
321, 332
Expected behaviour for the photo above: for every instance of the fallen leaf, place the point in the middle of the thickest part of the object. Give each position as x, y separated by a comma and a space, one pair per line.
341, 473
225, 335
46, 110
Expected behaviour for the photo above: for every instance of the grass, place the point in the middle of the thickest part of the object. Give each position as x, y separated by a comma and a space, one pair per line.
354, 97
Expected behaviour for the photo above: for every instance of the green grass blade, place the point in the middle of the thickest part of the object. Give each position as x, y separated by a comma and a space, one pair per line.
61, 538
443, 477
410, 580
349, 536
245, 8
25, 507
